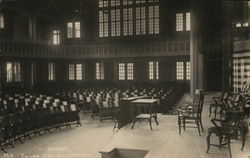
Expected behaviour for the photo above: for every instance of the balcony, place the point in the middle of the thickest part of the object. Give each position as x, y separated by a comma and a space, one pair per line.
162, 48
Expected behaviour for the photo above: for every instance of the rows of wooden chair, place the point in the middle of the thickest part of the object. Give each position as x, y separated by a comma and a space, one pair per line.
25, 115
104, 102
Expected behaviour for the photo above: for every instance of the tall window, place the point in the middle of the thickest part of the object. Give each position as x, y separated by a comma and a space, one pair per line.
130, 71
103, 23
1, 21
115, 22
188, 21
179, 71
115, 2
71, 72
73, 29
75, 71
188, 70
99, 71
56, 37
153, 70
153, 13
179, 22
13, 71
78, 71
127, 21
137, 17
121, 71
126, 71
51, 71
180, 17
140, 21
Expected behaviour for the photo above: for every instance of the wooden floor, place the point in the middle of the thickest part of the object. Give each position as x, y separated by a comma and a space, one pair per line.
162, 142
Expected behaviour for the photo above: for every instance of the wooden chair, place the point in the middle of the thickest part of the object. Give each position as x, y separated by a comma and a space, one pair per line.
192, 114
227, 130
218, 103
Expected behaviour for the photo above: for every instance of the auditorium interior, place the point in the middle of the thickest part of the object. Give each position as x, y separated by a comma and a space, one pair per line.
124, 79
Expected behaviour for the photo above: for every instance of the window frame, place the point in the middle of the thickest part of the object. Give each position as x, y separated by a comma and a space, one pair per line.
125, 71
99, 71
51, 71
2, 21
15, 74
75, 33
153, 70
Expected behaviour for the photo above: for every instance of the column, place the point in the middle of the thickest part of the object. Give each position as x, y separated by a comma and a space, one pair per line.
196, 58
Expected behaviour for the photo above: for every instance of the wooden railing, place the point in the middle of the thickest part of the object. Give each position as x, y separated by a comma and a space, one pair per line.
162, 48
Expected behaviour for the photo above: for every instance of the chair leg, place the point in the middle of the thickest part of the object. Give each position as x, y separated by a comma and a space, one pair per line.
215, 112
201, 125
210, 110
133, 124
229, 146
179, 124
150, 123
208, 141
184, 123
156, 120
220, 141
115, 125
198, 126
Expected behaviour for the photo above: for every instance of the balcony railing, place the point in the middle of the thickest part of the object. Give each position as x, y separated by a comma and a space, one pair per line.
162, 48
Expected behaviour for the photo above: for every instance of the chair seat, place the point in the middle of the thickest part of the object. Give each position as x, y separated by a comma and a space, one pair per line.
143, 116
221, 130
212, 105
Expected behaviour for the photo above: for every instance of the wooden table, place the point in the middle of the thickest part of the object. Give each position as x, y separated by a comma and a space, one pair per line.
147, 107
125, 115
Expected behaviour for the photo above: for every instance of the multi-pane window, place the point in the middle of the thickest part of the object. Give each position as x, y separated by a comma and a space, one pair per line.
115, 2
115, 22
1, 21
140, 1
121, 71
153, 70
180, 25
245, 24
99, 71
70, 30
103, 3
238, 24
71, 72
103, 23
188, 22
126, 71
153, 22
75, 71
140, 20
241, 24
77, 29
13, 72
188, 70
78, 71
127, 21
137, 17
127, 2
73, 29
56, 37
51, 71
179, 22
179, 70
130, 71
